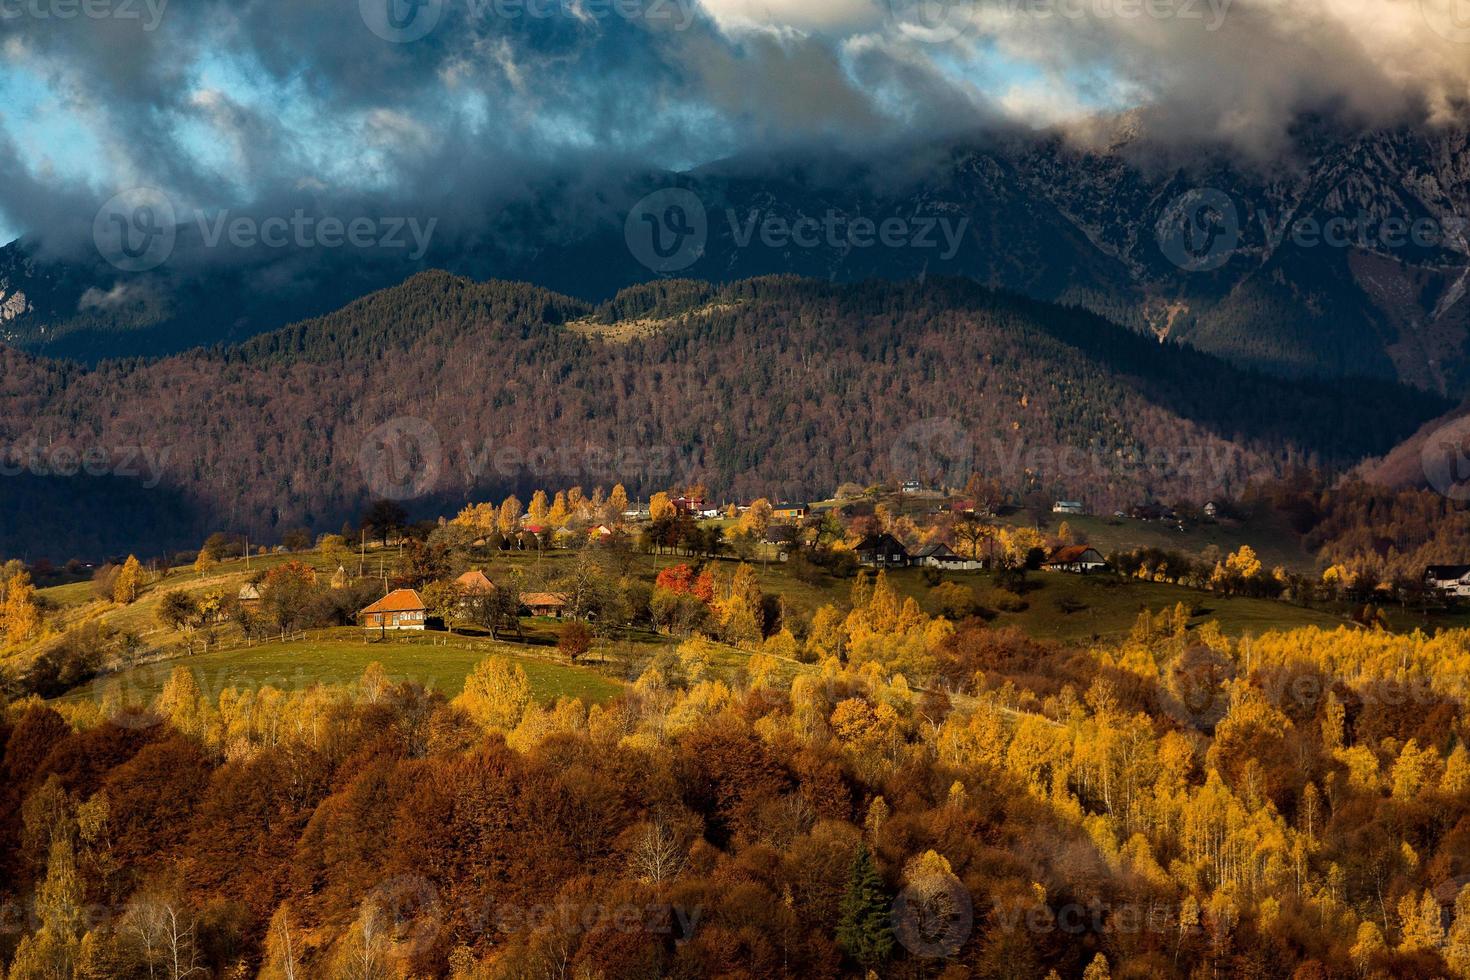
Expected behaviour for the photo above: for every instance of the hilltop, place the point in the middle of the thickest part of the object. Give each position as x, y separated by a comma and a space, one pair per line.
778, 387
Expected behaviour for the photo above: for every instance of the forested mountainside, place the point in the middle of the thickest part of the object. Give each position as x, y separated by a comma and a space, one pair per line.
1035, 215
780, 387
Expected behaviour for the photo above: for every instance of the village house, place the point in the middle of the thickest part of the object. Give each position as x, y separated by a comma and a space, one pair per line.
548, 604
789, 512
1068, 507
1211, 511
475, 582
249, 596
1078, 558
1450, 580
474, 587
688, 506
882, 551
781, 538
401, 609
941, 555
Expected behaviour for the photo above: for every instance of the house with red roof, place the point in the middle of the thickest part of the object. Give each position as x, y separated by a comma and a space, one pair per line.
401, 609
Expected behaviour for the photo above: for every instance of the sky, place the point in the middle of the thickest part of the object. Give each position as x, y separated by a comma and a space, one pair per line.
229, 103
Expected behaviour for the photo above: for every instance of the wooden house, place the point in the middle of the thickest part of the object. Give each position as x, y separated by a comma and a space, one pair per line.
401, 609
548, 604
882, 551
1079, 558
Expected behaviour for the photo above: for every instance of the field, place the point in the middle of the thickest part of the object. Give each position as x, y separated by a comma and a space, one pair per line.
1057, 606
1274, 542
339, 657
1105, 606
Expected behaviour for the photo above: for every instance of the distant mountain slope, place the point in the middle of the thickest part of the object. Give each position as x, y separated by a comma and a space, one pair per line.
781, 386
1435, 457
1035, 215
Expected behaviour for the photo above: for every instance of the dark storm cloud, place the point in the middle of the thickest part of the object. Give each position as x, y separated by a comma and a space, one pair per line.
263, 105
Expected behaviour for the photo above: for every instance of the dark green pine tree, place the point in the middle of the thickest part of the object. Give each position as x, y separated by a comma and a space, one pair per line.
863, 931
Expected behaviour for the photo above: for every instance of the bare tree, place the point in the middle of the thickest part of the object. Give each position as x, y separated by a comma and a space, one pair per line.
180, 950
659, 852
363, 954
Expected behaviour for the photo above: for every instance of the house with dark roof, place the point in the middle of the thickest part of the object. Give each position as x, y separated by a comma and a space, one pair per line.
882, 551
1079, 558
1448, 579
401, 609
941, 555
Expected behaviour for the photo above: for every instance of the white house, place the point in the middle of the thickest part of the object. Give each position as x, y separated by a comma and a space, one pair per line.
1077, 558
1067, 507
1450, 579
943, 556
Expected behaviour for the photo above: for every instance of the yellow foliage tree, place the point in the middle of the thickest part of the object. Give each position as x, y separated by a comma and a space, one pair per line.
495, 694
129, 581
538, 510
20, 614
508, 521
558, 516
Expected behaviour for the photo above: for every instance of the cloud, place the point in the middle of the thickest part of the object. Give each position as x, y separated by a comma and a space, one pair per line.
229, 104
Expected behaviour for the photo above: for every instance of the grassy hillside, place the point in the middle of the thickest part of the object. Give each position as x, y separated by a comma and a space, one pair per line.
1057, 605
339, 657
1273, 542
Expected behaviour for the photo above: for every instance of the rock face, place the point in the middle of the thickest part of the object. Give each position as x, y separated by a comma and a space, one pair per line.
1351, 258
12, 305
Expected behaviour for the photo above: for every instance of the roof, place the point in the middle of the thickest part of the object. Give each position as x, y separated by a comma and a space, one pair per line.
1072, 554
475, 580
399, 600
880, 542
937, 550
780, 533
249, 591
543, 599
